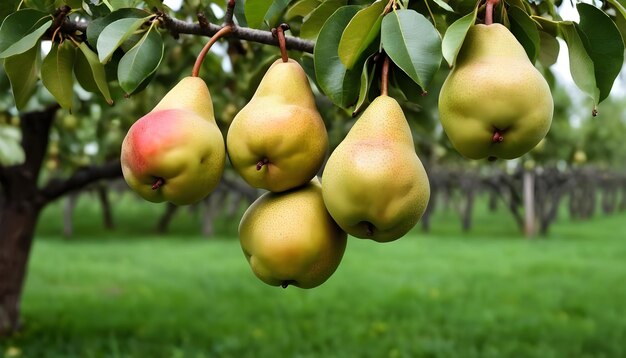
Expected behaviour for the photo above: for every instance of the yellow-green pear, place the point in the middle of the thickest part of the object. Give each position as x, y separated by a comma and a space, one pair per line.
176, 152
494, 103
289, 238
278, 140
374, 185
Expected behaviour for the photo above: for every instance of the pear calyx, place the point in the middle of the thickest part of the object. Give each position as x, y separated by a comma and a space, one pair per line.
261, 163
497, 137
158, 183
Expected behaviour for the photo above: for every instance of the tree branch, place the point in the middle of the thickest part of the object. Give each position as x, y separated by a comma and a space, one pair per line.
81, 178
3, 179
176, 26
243, 33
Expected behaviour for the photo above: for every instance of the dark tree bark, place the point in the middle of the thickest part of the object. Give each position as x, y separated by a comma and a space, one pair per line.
468, 185
212, 205
105, 204
165, 220
22, 204
493, 202
18, 215
68, 215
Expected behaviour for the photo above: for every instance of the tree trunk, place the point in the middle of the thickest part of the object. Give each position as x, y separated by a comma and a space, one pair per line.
493, 201
22, 203
466, 218
212, 206
165, 220
68, 215
529, 204
17, 226
105, 204
19, 213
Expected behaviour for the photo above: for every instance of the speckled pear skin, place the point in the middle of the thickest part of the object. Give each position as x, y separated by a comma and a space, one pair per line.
281, 127
179, 142
494, 87
192, 94
374, 185
289, 238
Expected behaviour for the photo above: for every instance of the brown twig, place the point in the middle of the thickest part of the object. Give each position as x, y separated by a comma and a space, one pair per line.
202, 21
230, 11
243, 33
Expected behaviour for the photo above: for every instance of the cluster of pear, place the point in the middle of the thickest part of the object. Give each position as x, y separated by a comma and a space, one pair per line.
374, 185
495, 103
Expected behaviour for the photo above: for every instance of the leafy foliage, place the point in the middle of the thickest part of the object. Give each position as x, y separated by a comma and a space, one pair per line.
126, 50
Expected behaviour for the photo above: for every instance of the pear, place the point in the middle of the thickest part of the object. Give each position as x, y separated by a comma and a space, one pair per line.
374, 185
494, 103
289, 238
176, 152
278, 141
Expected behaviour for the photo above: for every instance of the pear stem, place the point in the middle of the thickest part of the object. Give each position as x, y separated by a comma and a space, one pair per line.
158, 183
489, 11
223, 31
279, 33
384, 78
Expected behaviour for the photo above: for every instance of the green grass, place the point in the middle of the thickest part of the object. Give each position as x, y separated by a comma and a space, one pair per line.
489, 293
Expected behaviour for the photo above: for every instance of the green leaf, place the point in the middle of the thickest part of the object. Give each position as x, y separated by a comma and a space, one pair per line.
443, 5
620, 18
41, 5
301, 8
273, 13
547, 25
141, 61
604, 45
412, 92
21, 31
255, 11
120, 4
56, 73
240, 14
454, 36
313, 23
23, 72
96, 26
339, 84
11, 151
7, 7
525, 30
366, 82
83, 73
74, 4
621, 8
360, 33
92, 75
580, 64
549, 50
27, 42
413, 44
114, 35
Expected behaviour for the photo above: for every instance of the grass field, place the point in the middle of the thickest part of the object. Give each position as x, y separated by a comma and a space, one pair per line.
491, 293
